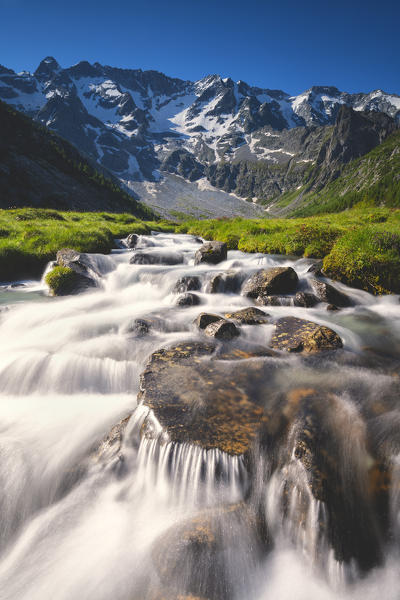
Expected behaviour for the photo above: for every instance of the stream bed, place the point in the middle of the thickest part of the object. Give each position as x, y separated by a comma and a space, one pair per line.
217, 469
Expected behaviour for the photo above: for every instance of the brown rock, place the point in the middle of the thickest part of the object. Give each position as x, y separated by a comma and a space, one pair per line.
297, 335
210, 403
205, 319
249, 316
222, 330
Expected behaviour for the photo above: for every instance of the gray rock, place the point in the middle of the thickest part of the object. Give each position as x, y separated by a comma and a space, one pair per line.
277, 280
156, 258
228, 281
222, 330
205, 319
187, 283
85, 272
305, 300
188, 299
327, 293
132, 240
211, 252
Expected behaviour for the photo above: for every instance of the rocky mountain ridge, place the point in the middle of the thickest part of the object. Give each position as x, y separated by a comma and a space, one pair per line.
143, 126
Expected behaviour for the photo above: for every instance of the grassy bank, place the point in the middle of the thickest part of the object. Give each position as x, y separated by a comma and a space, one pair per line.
360, 247
29, 238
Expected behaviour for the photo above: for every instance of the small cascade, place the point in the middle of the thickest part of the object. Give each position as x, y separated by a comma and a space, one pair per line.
190, 475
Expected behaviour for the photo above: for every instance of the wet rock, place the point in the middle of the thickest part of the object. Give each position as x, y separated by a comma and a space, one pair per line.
226, 282
156, 258
305, 300
188, 299
206, 402
332, 307
274, 300
205, 319
201, 555
211, 252
82, 275
187, 283
267, 282
139, 327
222, 330
320, 426
316, 268
298, 335
132, 240
249, 316
110, 448
327, 293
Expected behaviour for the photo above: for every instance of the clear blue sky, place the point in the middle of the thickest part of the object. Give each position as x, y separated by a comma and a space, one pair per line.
285, 44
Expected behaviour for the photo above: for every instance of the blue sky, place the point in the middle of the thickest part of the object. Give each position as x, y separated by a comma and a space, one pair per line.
275, 44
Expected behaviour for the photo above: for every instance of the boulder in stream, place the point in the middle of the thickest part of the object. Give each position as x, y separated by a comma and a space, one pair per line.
187, 283
209, 403
132, 240
204, 319
249, 316
188, 299
222, 330
298, 335
156, 258
73, 273
305, 300
267, 282
211, 252
327, 293
223, 283
199, 557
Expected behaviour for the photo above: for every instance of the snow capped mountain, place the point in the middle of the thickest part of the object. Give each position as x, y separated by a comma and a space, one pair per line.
141, 124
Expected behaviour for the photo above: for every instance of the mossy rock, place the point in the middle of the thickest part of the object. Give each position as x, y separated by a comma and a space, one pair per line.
62, 281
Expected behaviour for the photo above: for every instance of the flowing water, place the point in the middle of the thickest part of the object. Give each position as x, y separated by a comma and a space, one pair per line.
76, 527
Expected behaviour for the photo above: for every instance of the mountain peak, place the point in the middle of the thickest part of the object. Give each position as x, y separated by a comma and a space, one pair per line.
47, 67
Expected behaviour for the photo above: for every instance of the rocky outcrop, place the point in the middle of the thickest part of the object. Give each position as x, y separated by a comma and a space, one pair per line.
355, 134
211, 252
277, 280
183, 163
297, 335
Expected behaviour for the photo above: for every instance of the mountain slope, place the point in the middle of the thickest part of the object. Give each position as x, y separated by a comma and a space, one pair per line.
38, 168
373, 179
143, 125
